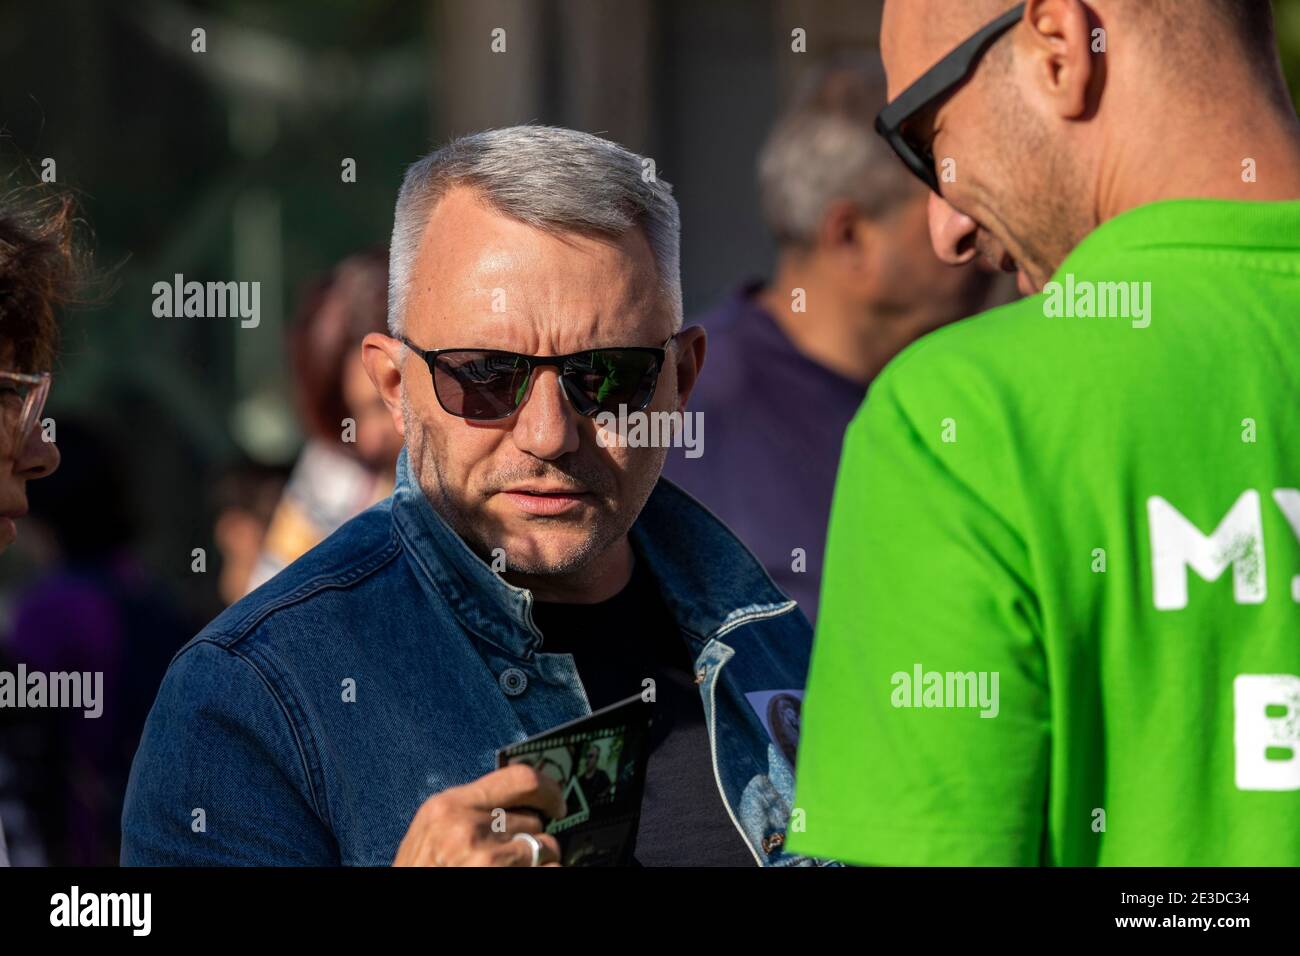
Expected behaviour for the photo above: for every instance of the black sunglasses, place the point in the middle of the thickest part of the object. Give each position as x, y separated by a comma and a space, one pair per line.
936, 84
488, 385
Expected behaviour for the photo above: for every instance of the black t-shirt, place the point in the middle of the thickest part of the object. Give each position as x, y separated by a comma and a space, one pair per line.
616, 645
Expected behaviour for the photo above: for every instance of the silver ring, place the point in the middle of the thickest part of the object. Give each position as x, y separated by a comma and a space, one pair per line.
535, 843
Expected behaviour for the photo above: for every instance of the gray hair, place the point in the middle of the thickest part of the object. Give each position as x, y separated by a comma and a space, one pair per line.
559, 180
825, 148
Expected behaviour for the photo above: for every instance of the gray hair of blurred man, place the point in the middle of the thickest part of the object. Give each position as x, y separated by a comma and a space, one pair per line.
558, 180
825, 148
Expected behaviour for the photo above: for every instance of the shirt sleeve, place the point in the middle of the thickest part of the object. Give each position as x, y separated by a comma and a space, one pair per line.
925, 576
219, 778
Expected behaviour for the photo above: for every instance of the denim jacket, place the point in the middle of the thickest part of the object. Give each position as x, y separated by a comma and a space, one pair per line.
308, 722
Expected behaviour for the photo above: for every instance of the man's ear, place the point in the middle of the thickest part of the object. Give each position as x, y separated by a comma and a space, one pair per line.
838, 233
689, 349
845, 243
382, 356
1057, 46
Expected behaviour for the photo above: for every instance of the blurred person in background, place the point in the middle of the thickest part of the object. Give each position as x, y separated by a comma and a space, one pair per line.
351, 453
38, 271
790, 360
244, 502
96, 608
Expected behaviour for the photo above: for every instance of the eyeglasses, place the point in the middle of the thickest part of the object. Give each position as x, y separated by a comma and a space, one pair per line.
934, 86
488, 385
22, 399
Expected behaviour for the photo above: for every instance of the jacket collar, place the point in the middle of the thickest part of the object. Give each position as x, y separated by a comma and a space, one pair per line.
710, 582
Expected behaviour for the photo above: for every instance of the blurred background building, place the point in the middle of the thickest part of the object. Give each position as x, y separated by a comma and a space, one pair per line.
230, 164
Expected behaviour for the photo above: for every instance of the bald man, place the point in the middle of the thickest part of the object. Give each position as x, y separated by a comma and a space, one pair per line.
1060, 620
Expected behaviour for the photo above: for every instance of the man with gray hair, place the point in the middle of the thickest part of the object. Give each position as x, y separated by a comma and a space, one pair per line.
790, 359
527, 569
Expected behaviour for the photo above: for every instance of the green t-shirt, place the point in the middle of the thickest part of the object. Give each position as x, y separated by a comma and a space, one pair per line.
1060, 613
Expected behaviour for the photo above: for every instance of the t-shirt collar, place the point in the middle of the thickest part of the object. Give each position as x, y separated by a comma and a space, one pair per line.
1261, 227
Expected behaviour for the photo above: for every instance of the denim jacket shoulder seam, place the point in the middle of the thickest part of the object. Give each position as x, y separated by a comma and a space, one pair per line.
343, 578
308, 773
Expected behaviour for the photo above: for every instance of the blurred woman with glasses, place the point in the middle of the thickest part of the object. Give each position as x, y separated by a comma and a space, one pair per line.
38, 268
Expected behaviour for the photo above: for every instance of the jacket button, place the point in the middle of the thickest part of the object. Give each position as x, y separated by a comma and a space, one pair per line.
772, 841
513, 681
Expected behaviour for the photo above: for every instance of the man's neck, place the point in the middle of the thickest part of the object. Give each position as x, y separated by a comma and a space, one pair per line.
837, 334
1249, 159
599, 581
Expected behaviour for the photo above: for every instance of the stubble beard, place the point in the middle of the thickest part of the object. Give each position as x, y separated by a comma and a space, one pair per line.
426, 457
1045, 210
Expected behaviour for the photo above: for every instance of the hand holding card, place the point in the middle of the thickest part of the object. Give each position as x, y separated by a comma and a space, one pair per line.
598, 763
480, 823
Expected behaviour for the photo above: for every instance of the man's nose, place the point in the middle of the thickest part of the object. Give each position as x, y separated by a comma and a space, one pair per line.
952, 233
547, 425
37, 458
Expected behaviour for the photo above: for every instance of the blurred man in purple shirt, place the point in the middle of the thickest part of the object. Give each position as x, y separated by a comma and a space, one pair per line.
789, 360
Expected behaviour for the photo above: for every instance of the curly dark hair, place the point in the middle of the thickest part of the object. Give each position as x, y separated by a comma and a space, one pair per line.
40, 268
